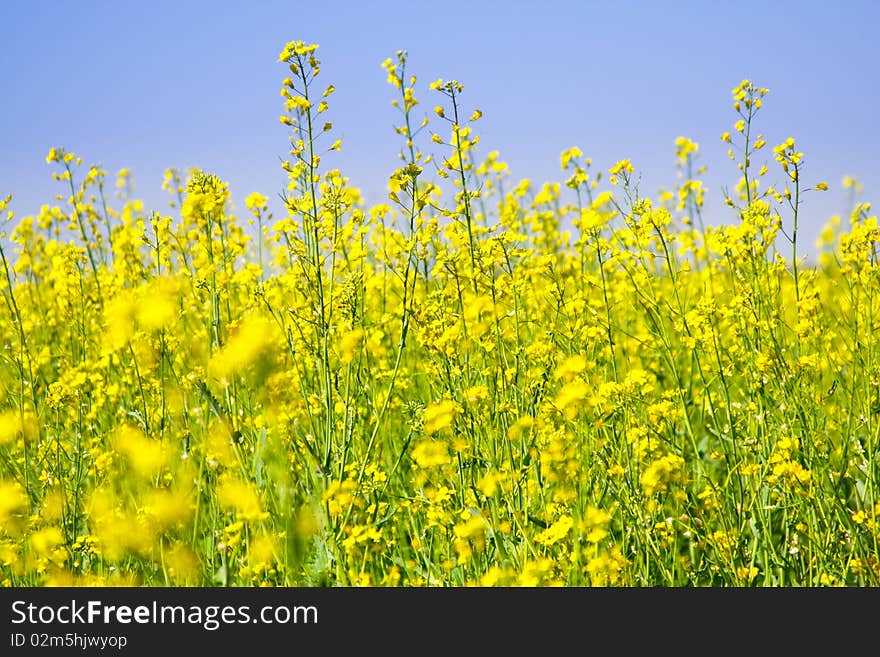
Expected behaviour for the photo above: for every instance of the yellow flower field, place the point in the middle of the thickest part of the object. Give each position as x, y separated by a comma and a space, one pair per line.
484, 381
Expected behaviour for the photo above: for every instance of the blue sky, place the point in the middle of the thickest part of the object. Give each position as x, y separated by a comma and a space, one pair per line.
150, 85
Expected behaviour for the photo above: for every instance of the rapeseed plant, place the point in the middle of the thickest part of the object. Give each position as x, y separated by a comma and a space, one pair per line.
480, 382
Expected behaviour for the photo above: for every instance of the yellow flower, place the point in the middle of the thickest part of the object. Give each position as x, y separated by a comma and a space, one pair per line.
13, 506
168, 507
10, 426
571, 366
255, 200
662, 472
622, 166
46, 540
571, 394
157, 308
555, 532
439, 416
350, 344
488, 485
241, 497
569, 155
595, 524
430, 453
747, 573
250, 342
119, 317
146, 456
476, 394
473, 526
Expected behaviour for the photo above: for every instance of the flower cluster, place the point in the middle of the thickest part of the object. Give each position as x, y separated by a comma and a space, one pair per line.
480, 382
